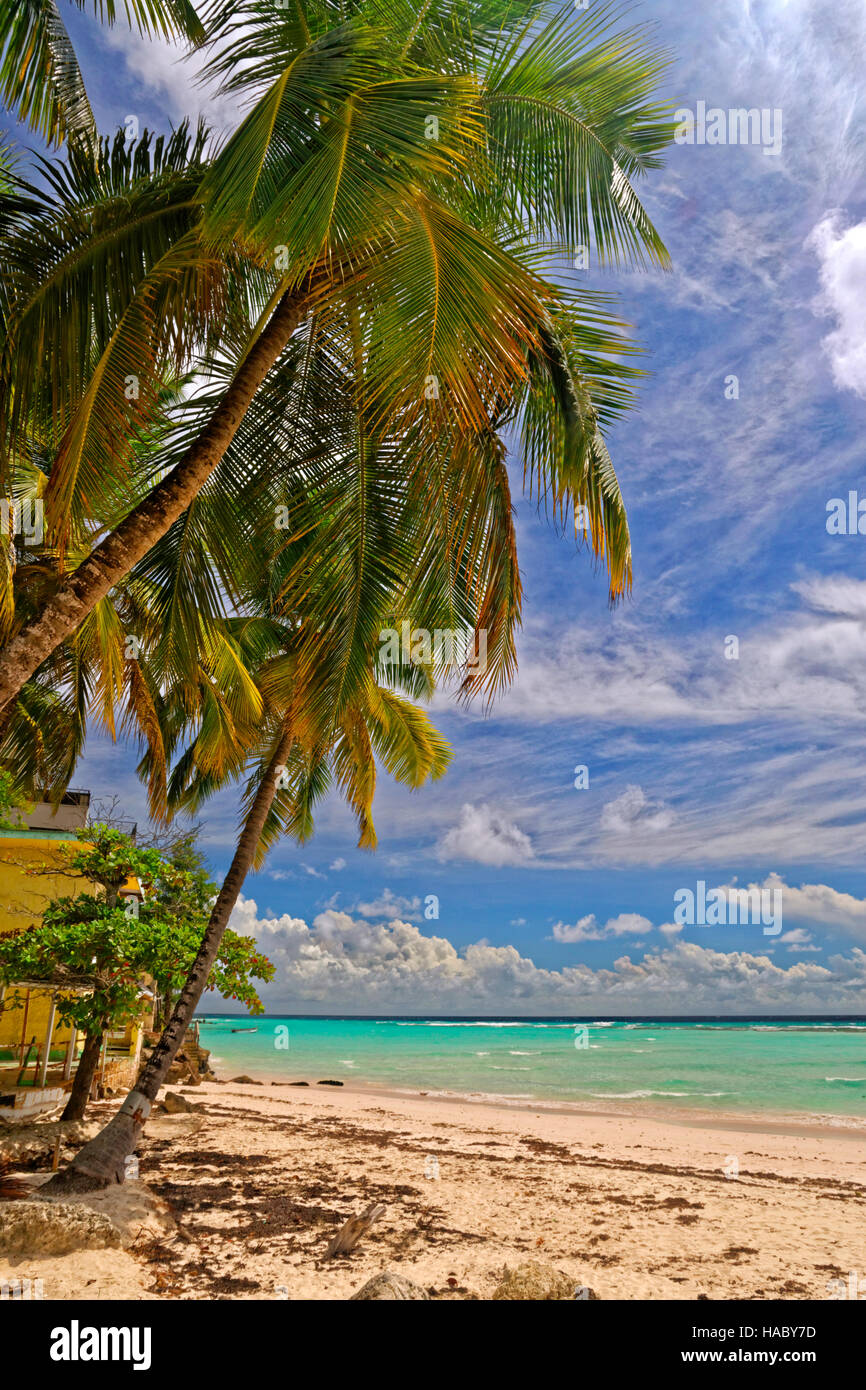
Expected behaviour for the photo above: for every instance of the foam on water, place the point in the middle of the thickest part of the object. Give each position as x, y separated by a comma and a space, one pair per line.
782, 1067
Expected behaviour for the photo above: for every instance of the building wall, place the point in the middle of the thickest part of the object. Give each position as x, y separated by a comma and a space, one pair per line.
23, 899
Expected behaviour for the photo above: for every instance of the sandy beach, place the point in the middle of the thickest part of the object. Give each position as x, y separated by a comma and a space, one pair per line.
240, 1199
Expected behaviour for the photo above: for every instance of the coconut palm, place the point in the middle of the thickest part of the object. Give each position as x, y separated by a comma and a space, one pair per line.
421, 322
421, 169
316, 595
293, 767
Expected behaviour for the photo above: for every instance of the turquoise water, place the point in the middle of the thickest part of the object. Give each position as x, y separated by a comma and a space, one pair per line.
802, 1068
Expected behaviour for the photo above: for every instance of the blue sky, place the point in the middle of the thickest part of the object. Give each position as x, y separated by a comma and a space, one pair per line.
700, 767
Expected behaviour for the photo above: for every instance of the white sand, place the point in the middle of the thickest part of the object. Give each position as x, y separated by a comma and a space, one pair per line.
633, 1208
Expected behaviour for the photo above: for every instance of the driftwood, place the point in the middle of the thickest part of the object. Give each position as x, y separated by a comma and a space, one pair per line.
351, 1232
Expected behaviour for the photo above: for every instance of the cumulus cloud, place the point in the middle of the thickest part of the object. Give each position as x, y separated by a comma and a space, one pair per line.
338, 865
798, 940
588, 929
634, 810
842, 257
820, 905
390, 906
485, 836
356, 966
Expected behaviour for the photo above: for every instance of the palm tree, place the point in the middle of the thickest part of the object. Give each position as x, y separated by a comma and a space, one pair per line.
370, 542
419, 168
421, 324
293, 772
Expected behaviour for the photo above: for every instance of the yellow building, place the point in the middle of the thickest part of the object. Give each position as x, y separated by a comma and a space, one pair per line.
38, 1053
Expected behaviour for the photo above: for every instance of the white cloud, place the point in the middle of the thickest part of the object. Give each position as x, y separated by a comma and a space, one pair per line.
165, 73
634, 810
486, 837
588, 929
797, 664
842, 256
818, 904
362, 967
798, 940
337, 866
390, 906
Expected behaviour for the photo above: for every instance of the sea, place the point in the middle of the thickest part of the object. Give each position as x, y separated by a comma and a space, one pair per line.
796, 1067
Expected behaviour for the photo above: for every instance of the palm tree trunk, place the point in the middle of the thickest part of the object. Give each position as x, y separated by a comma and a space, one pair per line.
84, 1074
132, 539
102, 1160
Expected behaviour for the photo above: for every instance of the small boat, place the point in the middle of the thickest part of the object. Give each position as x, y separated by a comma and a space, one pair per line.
245, 1030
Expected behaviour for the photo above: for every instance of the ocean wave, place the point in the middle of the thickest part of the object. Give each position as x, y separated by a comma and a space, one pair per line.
643, 1095
478, 1024
848, 1080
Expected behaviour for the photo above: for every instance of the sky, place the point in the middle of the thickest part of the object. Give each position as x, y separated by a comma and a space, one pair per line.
720, 712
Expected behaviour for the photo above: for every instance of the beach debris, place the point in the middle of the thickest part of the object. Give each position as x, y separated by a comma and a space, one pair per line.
329, 1083
12, 1188
388, 1285
352, 1230
540, 1282
54, 1228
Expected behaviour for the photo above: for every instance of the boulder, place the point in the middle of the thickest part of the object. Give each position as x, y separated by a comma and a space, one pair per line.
389, 1286
177, 1105
540, 1282
54, 1228
244, 1081
329, 1083
291, 1083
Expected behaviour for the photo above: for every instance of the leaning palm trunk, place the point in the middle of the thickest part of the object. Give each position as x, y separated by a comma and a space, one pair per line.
150, 520
102, 1161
